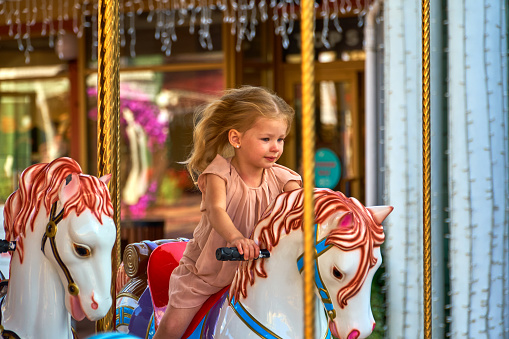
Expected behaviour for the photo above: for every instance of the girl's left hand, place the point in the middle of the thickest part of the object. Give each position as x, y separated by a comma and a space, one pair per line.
247, 247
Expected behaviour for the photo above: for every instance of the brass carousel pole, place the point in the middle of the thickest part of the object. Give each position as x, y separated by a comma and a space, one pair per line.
426, 166
308, 146
108, 136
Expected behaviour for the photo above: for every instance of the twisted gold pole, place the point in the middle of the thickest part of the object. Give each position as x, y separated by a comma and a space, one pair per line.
308, 146
108, 136
426, 166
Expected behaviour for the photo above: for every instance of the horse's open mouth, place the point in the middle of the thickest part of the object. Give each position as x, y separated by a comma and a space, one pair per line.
354, 334
333, 329
76, 309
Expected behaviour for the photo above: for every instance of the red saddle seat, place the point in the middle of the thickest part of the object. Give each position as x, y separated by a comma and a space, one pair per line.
163, 260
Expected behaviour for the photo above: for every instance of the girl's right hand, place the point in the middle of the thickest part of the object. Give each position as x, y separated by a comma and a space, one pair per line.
247, 247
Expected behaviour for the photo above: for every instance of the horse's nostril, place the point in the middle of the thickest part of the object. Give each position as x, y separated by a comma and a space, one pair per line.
94, 304
374, 324
354, 334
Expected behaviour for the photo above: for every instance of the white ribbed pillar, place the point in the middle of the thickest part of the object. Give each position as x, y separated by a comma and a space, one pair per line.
478, 168
403, 154
438, 169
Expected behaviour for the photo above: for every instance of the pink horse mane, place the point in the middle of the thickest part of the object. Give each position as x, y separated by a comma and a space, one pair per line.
285, 215
40, 184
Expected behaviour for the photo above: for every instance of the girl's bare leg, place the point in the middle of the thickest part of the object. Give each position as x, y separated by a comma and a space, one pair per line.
175, 322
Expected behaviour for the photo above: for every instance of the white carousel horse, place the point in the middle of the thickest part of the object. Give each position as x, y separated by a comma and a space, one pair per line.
62, 222
266, 296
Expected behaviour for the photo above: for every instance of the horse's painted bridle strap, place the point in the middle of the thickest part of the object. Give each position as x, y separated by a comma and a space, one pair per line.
51, 227
51, 232
251, 322
320, 248
255, 325
328, 335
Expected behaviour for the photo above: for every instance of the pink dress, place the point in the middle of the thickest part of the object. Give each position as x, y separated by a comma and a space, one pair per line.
199, 274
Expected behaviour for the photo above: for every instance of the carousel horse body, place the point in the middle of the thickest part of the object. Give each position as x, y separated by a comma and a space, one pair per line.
265, 298
62, 222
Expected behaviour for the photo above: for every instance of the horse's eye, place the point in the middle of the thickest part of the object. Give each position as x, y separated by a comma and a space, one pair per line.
81, 250
337, 274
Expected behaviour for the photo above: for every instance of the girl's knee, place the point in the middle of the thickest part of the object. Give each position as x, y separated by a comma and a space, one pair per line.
178, 319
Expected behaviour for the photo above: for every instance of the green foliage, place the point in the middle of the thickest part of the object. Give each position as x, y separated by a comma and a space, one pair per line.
169, 190
5, 188
378, 304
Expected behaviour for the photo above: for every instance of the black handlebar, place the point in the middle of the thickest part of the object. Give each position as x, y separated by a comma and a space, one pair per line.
232, 254
6, 246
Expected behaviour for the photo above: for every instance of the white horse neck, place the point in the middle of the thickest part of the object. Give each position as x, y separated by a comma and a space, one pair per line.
34, 306
277, 300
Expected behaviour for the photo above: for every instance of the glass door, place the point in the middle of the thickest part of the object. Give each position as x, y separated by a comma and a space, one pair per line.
339, 154
16, 112
35, 126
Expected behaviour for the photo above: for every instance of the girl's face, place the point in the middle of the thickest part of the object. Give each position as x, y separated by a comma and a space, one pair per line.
262, 145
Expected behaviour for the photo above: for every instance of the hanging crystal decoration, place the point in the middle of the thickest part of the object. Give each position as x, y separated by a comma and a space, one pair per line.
243, 15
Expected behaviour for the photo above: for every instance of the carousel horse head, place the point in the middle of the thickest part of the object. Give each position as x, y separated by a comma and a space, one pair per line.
347, 239
62, 222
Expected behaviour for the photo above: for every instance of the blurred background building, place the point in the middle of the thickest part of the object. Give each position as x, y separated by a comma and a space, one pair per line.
179, 55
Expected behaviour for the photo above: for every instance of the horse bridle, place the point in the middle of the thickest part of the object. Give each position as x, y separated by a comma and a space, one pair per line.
256, 326
320, 248
51, 232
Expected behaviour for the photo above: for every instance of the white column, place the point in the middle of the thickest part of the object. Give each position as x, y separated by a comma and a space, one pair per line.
438, 169
478, 168
371, 104
403, 154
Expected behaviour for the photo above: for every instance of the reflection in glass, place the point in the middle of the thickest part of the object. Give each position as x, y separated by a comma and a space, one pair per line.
334, 126
35, 121
156, 124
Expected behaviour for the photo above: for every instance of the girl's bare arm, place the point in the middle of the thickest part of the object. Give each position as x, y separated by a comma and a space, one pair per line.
215, 200
291, 185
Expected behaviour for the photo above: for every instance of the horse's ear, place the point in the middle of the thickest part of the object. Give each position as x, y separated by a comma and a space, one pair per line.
379, 213
70, 186
105, 178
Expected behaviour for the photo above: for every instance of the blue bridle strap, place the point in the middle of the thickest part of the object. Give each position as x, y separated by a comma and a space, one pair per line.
320, 248
328, 335
264, 332
251, 322
255, 325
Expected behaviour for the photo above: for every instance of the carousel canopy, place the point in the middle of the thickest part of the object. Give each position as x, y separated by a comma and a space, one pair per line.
22, 19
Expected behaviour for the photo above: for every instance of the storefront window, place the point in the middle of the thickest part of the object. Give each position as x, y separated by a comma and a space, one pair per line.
156, 111
34, 118
334, 134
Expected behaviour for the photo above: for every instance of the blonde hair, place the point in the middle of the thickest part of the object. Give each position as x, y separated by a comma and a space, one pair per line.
236, 109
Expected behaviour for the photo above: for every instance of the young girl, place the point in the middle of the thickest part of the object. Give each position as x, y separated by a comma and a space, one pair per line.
237, 141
